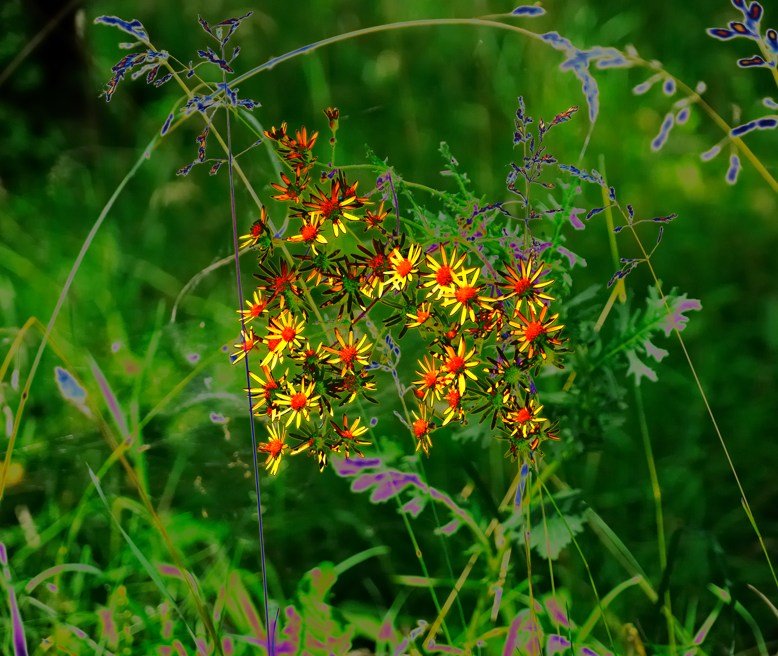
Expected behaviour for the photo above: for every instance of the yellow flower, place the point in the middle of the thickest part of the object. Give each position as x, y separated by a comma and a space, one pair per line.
463, 296
310, 232
524, 285
347, 354
421, 427
454, 409
526, 420
255, 233
264, 394
441, 276
248, 342
402, 268
535, 333
254, 307
274, 448
431, 380
298, 403
457, 364
420, 317
283, 333
350, 435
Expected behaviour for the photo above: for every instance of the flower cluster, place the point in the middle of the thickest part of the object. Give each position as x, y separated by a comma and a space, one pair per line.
338, 270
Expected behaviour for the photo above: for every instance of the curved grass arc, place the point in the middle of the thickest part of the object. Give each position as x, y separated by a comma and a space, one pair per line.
485, 22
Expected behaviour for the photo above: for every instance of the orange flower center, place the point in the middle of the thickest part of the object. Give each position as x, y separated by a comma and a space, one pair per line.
422, 316
444, 276
298, 401
347, 355
248, 345
533, 330
455, 364
256, 230
328, 206
453, 398
309, 232
430, 378
257, 309
403, 268
420, 427
521, 286
523, 416
465, 294
288, 334
272, 344
274, 448
376, 262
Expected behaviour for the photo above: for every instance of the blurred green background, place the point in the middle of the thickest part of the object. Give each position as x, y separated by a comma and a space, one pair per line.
64, 150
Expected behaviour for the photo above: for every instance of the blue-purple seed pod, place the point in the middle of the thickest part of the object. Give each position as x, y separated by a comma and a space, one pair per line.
734, 169
133, 27
166, 125
711, 153
664, 132
771, 40
528, 10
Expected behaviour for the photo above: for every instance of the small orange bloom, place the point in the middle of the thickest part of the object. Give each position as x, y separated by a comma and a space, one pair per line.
258, 229
421, 426
310, 232
526, 420
249, 341
420, 317
350, 435
524, 284
254, 307
535, 333
275, 447
376, 219
454, 409
265, 394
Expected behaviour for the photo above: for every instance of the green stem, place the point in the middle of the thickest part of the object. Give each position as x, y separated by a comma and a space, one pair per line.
656, 490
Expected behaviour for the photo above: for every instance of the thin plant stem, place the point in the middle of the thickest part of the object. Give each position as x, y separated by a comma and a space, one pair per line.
585, 563
269, 630
708, 408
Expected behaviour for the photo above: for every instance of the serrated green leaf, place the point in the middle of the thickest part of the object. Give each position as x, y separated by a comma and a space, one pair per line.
549, 538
